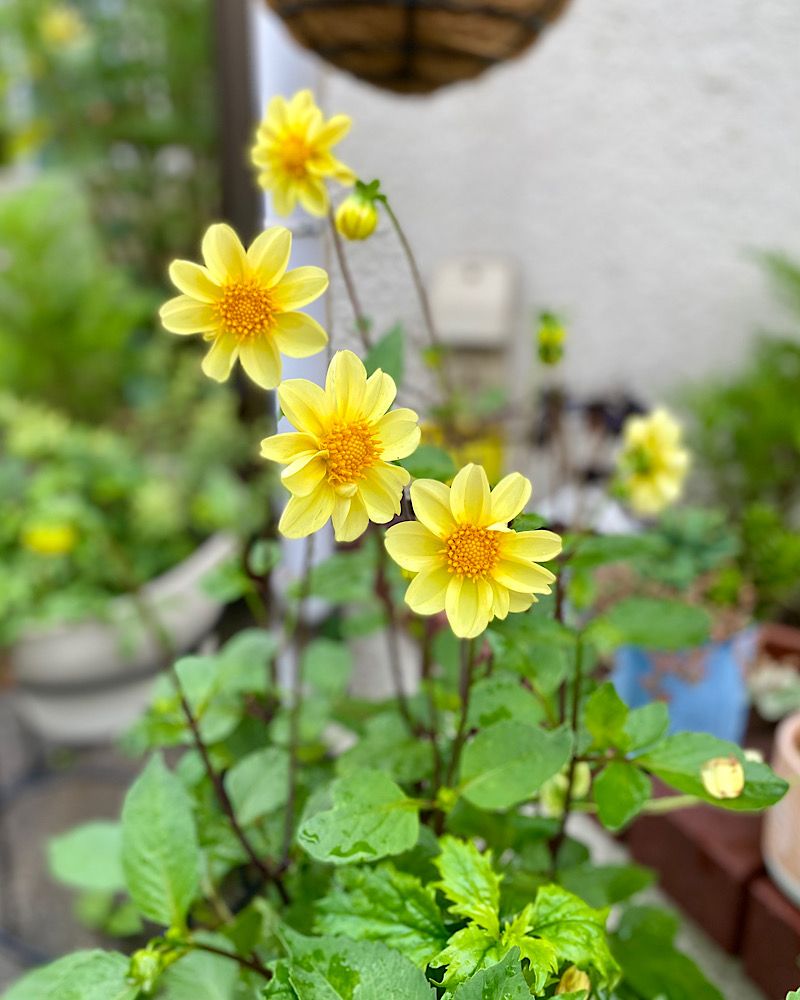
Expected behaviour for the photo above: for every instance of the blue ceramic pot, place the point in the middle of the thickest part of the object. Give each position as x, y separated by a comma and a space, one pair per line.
704, 688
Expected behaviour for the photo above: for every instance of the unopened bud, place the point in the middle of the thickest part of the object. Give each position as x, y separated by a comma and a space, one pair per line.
356, 217
723, 777
573, 981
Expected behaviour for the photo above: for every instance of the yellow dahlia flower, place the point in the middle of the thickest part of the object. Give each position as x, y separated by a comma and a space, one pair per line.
338, 460
293, 152
246, 304
467, 561
653, 462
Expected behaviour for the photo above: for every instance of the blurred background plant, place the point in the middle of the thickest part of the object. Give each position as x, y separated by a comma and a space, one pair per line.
746, 439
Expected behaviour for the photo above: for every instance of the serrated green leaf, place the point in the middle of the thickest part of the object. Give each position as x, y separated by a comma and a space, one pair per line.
84, 975
430, 462
605, 716
502, 981
620, 791
647, 725
652, 623
243, 662
509, 762
258, 783
499, 697
470, 882
467, 952
160, 856
679, 759
386, 739
605, 885
89, 857
651, 965
576, 931
388, 354
367, 817
216, 715
338, 969
327, 666
384, 904
201, 976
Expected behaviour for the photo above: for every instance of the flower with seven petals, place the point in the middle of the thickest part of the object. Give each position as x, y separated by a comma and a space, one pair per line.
467, 561
245, 303
653, 463
293, 154
338, 460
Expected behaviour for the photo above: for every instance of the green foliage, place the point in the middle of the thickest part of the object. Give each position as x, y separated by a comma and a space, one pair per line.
160, 854
89, 857
430, 462
388, 354
652, 623
503, 981
258, 783
470, 882
84, 975
620, 791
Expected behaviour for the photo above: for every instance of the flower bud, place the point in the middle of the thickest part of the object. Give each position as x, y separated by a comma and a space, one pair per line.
573, 981
145, 968
550, 339
723, 777
356, 217
49, 538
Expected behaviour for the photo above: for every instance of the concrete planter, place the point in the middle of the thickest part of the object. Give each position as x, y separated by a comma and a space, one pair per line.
782, 822
86, 682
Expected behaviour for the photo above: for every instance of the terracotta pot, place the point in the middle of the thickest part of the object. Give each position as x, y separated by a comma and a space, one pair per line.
782, 822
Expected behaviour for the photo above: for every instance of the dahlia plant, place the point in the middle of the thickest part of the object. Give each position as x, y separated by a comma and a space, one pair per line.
299, 842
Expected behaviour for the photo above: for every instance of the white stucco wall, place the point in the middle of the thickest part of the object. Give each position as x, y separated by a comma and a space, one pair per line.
628, 162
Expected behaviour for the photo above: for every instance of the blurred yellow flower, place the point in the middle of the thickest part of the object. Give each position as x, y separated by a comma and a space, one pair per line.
62, 26
293, 153
723, 777
573, 981
550, 338
337, 462
467, 561
49, 539
653, 462
356, 218
246, 304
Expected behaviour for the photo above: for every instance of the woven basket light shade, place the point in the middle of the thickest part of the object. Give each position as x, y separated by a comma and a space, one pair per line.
416, 46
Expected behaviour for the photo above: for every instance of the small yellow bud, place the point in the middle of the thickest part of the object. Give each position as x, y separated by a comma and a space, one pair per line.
356, 217
723, 777
573, 981
550, 339
49, 539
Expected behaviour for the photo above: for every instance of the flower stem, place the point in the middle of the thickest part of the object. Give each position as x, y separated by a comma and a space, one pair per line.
255, 964
464, 688
362, 322
557, 841
384, 591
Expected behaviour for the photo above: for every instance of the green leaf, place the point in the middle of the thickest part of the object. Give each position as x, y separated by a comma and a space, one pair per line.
367, 816
201, 976
243, 662
467, 952
258, 783
388, 354
620, 791
605, 885
652, 623
84, 975
216, 715
160, 856
430, 462
651, 965
794, 995
503, 981
499, 697
575, 930
89, 857
679, 760
338, 969
470, 882
327, 666
605, 716
508, 763
384, 904
596, 550
647, 725
529, 522
386, 739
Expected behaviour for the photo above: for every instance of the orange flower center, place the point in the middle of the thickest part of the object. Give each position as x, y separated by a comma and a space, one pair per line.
472, 551
246, 308
352, 448
295, 153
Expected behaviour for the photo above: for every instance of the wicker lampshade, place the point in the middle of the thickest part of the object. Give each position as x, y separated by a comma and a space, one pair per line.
416, 46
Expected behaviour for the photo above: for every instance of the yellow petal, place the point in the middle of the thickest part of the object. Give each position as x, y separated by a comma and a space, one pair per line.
223, 253
379, 395
527, 578
287, 447
185, 315
284, 198
305, 515
399, 434
305, 405
468, 604
426, 592
218, 362
268, 254
333, 130
413, 547
304, 474
509, 497
431, 502
381, 489
313, 196
500, 599
535, 546
262, 362
298, 335
350, 518
469, 496
519, 602
299, 287
194, 280
346, 383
